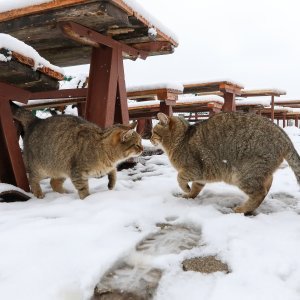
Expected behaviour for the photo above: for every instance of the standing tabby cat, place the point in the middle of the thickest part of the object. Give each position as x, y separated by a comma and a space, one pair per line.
239, 149
68, 146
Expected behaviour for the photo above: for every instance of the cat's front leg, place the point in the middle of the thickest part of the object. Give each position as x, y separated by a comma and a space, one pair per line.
80, 182
183, 182
112, 178
34, 182
195, 190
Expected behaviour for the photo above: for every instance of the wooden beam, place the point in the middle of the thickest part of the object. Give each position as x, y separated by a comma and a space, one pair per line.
87, 36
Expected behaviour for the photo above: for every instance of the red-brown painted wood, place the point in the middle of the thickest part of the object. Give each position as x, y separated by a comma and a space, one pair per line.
14, 166
229, 102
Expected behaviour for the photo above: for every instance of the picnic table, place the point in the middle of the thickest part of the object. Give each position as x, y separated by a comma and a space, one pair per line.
264, 93
279, 113
227, 89
73, 32
293, 104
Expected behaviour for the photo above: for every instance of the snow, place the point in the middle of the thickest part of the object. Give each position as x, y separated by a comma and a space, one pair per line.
77, 81
214, 80
10, 43
10, 5
188, 98
143, 103
256, 101
154, 22
60, 246
156, 86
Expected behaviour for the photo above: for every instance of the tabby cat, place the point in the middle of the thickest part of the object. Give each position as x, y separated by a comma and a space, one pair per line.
67, 146
237, 148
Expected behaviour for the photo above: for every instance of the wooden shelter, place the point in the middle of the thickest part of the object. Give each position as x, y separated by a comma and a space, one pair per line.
73, 32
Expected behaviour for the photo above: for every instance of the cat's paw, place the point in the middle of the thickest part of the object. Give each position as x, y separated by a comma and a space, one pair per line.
242, 210
39, 194
111, 185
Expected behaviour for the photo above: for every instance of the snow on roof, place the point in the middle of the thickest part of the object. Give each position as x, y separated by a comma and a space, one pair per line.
12, 44
157, 86
10, 5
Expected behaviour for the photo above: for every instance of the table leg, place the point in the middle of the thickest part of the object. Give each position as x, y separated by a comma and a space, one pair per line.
166, 109
11, 161
106, 99
229, 102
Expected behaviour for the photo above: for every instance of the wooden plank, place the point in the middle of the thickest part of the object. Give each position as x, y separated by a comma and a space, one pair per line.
263, 92
213, 86
29, 10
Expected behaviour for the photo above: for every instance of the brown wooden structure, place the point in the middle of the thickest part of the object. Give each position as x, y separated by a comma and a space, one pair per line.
264, 93
227, 89
72, 32
293, 103
279, 113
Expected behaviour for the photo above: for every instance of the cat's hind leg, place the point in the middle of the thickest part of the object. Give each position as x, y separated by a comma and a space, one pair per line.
34, 182
57, 185
112, 179
256, 189
183, 182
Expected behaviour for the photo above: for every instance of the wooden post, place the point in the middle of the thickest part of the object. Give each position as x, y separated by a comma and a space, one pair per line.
106, 99
296, 120
284, 120
144, 128
166, 109
229, 102
12, 169
272, 108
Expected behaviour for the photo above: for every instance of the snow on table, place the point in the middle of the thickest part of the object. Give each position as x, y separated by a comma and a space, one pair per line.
12, 44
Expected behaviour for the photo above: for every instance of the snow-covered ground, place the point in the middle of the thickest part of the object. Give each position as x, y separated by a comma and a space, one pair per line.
59, 247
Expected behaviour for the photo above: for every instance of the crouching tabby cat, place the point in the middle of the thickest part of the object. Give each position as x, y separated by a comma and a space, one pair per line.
68, 146
239, 149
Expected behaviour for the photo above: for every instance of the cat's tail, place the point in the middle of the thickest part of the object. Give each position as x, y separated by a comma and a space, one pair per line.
24, 116
293, 160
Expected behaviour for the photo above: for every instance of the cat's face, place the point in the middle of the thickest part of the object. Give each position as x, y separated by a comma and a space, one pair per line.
160, 130
132, 143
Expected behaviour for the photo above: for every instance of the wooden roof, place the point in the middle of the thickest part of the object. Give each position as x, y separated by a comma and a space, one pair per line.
37, 26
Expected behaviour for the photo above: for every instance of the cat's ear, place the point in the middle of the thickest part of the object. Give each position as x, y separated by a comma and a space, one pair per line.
163, 119
127, 135
132, 125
